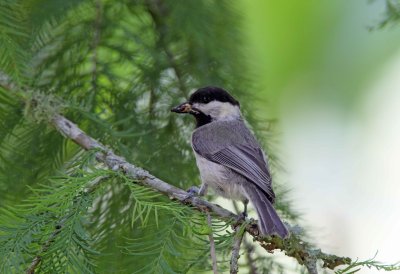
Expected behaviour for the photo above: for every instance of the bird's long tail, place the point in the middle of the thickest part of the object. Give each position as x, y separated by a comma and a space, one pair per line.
269, 221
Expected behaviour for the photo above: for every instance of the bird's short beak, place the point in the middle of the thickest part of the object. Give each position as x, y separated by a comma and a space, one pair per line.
183, 108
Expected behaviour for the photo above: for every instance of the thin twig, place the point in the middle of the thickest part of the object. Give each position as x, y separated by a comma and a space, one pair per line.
247, 246
234, 263
311, 266
212, 245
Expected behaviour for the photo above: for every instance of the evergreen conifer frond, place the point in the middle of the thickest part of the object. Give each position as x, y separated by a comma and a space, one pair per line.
16, 236
179, 245
30, 153
13, 39
162, 229
10, 114
72, 251
357, 265
163, 246
51, 224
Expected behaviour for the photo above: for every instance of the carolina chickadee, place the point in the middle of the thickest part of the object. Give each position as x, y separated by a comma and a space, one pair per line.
229, 157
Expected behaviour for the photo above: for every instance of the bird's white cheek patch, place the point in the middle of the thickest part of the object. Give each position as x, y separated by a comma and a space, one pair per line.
219, 110
228, 110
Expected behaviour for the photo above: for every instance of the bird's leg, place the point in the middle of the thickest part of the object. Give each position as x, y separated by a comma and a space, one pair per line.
203, 189
245, 203
243, 215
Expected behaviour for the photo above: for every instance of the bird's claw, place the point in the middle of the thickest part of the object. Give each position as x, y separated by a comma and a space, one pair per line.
193, 191
241, 217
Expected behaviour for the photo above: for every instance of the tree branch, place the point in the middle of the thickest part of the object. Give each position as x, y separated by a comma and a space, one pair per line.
293, 246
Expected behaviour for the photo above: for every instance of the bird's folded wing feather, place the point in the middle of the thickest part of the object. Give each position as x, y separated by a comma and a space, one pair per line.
248, 162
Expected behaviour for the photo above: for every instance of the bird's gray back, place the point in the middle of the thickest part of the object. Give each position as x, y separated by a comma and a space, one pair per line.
218, 135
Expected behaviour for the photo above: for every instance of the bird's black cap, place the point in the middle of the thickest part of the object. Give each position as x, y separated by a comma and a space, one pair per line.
209, 94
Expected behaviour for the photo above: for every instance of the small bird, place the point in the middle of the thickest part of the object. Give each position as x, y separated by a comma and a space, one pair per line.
228, 156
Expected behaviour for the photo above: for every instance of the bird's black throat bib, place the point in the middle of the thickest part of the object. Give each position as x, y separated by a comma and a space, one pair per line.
201, 119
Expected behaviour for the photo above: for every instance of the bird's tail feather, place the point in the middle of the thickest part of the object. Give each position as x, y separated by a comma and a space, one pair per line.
269, 221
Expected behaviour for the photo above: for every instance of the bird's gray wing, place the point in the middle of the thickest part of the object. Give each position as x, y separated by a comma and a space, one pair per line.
248, 162
231, 144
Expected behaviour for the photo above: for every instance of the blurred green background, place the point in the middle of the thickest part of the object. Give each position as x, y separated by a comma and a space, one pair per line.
326, 48
331, 77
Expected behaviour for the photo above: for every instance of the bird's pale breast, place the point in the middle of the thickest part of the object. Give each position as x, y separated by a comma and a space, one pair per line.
224, 181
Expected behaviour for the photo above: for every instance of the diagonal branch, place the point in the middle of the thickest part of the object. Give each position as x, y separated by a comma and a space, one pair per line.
293, 246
